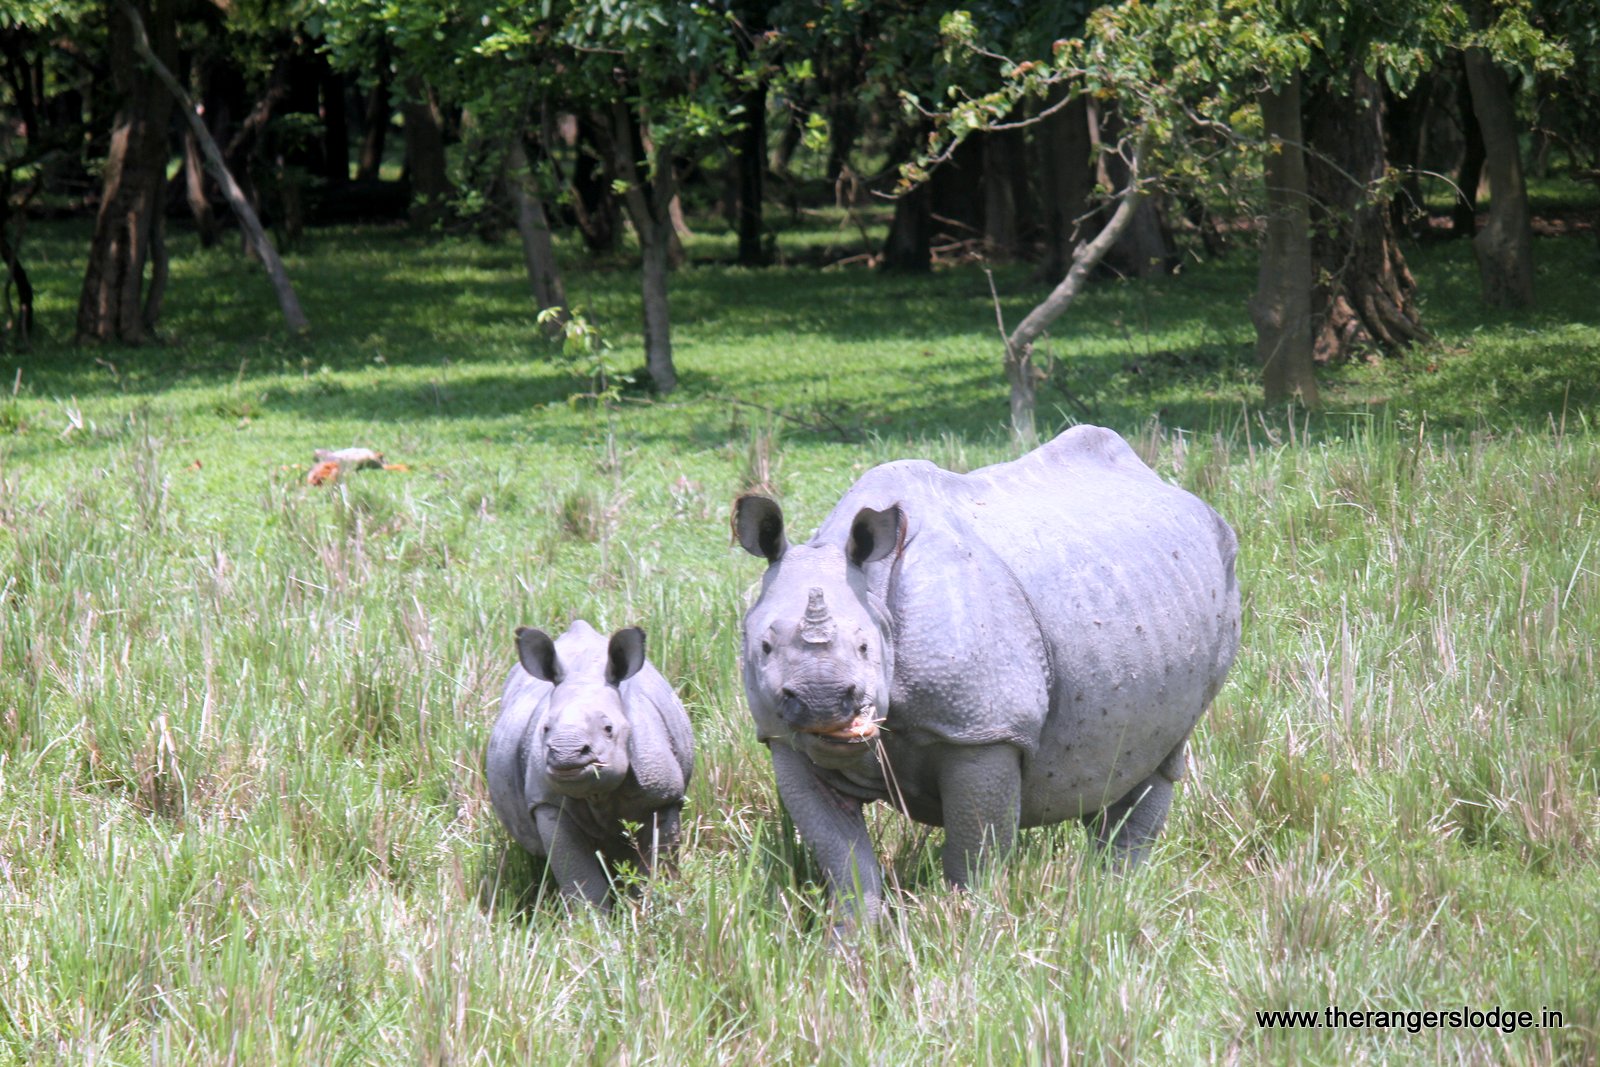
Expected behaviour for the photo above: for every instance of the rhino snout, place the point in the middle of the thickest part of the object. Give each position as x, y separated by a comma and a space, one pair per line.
570, 760
570, 757
811, 710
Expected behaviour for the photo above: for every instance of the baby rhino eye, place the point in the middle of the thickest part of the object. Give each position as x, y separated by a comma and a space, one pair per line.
766, 648
862, 649
608, 729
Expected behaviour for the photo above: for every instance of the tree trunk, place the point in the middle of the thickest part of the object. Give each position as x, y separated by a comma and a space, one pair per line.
844, 126
335, 127
648, 202
1019, 344
955, 191
194, 189
111, 305
20, 326
1067, 176
287, 301
654, 269
1281, 307
375, 124
1364, 296
593, 201
425, 165
752, 160
1005, 192
1464, 213
538, 252
1145, 248
789, 140
1504, 246
909, 244
1404, 132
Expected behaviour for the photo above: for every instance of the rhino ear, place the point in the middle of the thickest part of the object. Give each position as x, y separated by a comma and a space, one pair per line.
538, 655
625, 655
874, 534
758, 525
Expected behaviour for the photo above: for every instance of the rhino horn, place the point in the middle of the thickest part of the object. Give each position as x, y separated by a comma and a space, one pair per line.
817, 627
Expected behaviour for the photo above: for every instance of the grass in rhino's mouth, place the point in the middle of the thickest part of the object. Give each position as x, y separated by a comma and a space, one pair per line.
864, 727
576, 772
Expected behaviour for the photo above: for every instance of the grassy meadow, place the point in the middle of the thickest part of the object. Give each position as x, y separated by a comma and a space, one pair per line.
242, 719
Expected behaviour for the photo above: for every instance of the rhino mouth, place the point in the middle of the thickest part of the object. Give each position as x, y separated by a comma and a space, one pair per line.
858, 731
575, 773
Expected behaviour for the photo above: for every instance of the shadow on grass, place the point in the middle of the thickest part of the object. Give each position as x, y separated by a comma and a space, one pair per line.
793, 340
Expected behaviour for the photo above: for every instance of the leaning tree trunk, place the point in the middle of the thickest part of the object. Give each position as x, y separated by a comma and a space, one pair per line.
648, 201
112, 305
194, 174
1364, 297
257, 238
1504, 246
533, 226
1020, 372
1145, 248
194, 190
1281, 307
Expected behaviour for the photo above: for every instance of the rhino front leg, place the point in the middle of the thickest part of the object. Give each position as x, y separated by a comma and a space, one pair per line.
980, 794
833, 826
572, 857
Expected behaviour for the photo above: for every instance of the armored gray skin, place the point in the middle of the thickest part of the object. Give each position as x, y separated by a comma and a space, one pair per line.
590, 736
1026, 644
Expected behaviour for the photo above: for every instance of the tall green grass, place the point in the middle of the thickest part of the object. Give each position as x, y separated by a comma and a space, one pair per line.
242, 817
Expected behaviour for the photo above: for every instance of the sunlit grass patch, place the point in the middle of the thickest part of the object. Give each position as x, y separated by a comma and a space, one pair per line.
242, 717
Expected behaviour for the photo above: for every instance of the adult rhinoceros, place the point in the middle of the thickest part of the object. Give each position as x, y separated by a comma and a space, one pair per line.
1025, 644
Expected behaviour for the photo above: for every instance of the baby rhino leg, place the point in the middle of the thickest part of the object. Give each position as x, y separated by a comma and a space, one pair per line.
1125, 829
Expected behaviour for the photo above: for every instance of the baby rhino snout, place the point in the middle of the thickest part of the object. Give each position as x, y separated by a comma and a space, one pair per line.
572, 758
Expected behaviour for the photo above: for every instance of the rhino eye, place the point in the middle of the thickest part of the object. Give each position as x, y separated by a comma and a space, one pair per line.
766, 648
863, 649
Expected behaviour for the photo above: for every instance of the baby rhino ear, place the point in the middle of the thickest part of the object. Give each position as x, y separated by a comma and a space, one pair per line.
538, 655
625, 655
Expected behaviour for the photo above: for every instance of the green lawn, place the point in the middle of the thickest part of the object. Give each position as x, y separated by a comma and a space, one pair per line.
242, 816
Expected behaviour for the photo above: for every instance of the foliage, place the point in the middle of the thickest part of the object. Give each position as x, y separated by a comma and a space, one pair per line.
588, 355
1186, 73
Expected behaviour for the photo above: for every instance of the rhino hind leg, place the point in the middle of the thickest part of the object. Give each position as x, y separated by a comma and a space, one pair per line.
1125, 830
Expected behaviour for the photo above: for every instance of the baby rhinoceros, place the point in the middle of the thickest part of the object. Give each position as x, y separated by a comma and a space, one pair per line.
589, 759
1026, 644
